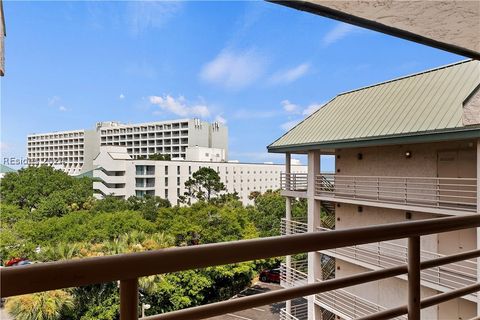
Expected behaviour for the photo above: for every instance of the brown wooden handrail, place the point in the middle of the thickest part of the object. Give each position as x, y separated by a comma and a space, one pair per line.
128, 267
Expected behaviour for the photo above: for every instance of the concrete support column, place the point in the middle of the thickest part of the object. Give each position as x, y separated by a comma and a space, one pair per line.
478, 229
288, 217
314, 258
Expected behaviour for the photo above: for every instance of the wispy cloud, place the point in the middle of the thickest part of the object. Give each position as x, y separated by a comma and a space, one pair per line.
290, 107
290, 124
234, 70
179, 106
53, 100
121, 96
290, 75
143, 15
56, 102
340, 31
312, 108
220, 119
294, 110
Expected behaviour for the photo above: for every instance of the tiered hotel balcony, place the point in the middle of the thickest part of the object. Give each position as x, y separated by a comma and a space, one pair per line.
348, 306
449, 196
386, 254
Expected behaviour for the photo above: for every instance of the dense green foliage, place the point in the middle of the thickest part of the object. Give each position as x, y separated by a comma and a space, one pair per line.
63, 221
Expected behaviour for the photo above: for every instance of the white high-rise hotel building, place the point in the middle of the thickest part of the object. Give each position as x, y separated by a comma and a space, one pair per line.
74, 151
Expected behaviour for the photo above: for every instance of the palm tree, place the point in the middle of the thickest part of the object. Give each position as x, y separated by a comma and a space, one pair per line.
49, 305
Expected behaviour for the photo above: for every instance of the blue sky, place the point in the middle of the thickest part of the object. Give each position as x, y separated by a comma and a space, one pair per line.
258, 66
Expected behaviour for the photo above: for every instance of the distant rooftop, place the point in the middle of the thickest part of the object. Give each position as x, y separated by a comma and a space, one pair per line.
417, 106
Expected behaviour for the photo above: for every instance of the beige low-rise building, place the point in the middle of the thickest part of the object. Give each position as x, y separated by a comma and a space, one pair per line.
405, 149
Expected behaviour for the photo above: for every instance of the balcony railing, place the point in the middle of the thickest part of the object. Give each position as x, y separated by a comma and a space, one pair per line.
293, 181
443, 193
389, 254
127, 268
292, 227
297, 312
294, 276
347, 305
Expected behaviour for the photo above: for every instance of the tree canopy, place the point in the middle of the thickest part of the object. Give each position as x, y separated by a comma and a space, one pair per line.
204, 185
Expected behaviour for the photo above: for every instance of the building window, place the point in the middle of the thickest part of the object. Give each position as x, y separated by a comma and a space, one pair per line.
166, 181
166, 193
178, 181
189, 169
178, 192
178, 169
166, 170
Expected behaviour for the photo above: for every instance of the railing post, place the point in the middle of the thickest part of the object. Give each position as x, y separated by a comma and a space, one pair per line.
414, 278
129, 299
406, 191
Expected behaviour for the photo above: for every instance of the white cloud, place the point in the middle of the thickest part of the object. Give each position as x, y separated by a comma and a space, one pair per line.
122, 96
179, 106
143, 15
290, 75
220, 119
312, 108
340, 31
289, 124
53, 100
62, 108
290, 107
234, 70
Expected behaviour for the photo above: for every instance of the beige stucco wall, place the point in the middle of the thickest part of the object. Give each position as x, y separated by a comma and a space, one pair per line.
391, 161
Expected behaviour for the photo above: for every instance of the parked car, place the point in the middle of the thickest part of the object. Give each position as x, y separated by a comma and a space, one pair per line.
270, 275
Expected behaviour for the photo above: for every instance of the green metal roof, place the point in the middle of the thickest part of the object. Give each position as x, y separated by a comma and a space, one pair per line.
424, 104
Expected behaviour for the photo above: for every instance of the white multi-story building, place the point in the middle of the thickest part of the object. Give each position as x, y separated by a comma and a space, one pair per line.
73, 151
164, 137
118, 174
405, 149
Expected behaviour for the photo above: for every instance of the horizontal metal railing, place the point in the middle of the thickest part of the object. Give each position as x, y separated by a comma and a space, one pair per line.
293, 181
388, 254
292, 226
347, 305
443, 193
129, 267
295, 275
297, 312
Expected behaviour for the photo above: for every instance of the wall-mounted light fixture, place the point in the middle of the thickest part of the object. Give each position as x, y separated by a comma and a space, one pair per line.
408, 154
